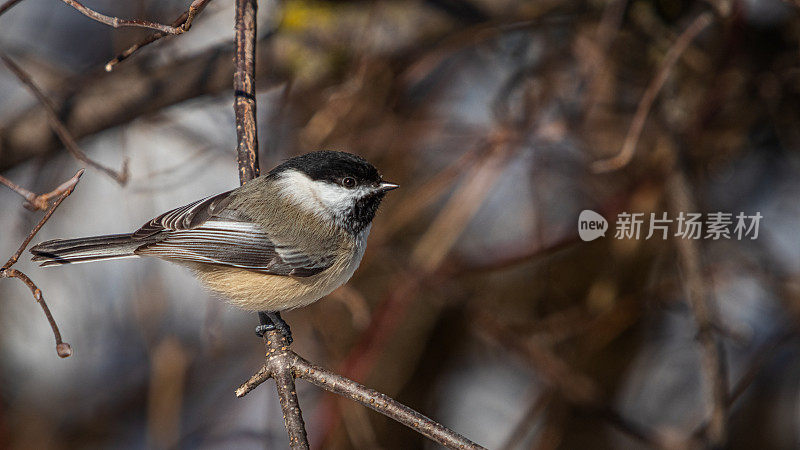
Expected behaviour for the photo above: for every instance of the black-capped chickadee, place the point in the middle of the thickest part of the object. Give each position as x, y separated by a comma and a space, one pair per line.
280, 241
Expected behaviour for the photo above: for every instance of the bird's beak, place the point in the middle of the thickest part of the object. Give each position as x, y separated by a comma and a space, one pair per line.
385, 187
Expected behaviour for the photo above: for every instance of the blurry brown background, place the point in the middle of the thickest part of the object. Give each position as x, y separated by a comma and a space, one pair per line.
476, 303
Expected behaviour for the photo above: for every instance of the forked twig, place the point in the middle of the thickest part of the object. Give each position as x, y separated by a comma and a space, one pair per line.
33, 201
281, 360
282, 364
58, 126
62, 348
183, 22
244, 107
637, 124
116, 22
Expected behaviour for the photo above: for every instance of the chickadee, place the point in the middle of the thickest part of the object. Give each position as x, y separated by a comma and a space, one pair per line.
280, 241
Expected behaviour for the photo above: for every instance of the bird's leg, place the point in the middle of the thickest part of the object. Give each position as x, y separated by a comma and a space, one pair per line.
273, 321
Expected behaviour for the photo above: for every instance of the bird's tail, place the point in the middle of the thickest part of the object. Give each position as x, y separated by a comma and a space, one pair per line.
65, 251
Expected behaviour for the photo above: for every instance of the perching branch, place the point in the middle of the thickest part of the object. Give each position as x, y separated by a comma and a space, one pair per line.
244, 106
281, 360
63, 349
282, 364
244, 88
58, 126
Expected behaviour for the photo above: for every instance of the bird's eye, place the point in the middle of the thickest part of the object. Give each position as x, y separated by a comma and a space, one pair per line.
349, 182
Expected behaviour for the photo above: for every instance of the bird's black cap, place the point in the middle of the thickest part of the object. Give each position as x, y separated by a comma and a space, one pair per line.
332, 166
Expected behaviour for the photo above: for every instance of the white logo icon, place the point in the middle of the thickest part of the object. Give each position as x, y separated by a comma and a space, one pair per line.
591, 225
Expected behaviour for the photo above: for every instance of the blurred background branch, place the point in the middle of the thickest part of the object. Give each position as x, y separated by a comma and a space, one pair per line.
477, 301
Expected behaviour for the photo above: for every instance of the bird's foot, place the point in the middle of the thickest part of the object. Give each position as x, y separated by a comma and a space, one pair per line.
273, 321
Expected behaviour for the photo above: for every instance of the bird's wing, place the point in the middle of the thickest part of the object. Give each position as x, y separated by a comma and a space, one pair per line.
204, 232
186, 217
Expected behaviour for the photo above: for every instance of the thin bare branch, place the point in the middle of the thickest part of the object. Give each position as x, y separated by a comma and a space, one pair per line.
71, 183
92, 104
625, 155
58, 126
762, 356
116, 22
279, 364
62, 348
280, 358
382, 403
8, 5
183, 22
704, 313
244, 87
36, 202
29, 196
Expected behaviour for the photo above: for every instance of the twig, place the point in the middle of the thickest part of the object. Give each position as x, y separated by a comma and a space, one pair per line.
8, 5
282, 364
62, 348
183, 22
33, 201
637, 124
382, 403
58, 126
244, 86
132, 91
279, 357
524, 425
280, 367
712, 359
575, 387
116, 22
762, 356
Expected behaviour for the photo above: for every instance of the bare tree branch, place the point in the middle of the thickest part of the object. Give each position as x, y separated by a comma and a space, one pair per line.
8, 5
116, 22
62, 348
60, 129
93, 103
33, 201
184, 22
704, 313
625, 154
244, 86
280, 357
282, 364
244, 105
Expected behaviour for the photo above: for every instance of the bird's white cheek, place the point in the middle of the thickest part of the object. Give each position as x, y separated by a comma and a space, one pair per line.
335, 198
315, 195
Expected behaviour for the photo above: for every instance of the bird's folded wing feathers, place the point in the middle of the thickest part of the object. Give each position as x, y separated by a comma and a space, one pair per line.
204, 232
186, 217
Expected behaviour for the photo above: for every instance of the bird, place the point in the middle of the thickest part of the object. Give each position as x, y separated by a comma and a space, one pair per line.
280, 241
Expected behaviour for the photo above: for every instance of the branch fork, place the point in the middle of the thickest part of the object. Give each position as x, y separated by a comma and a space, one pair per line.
283, 365
63, 349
